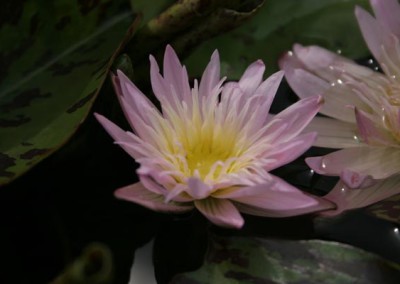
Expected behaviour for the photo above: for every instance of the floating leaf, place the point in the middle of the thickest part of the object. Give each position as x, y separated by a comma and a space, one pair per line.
388, 209
254, 260
54, 60
94, 266
277, 26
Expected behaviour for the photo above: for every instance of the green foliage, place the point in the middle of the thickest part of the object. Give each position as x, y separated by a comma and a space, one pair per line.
277, 26
253, 260
55, 58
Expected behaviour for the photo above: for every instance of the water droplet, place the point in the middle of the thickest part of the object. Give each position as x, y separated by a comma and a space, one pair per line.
343, 189
396, 230
339, 51
290, 53
331, 67
311, 172
323, 165
393, 76
370, 61
355, 137
376, 68
333, 84
339, 81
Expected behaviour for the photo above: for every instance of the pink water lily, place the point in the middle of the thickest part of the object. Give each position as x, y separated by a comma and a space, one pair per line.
363, 109
212, 145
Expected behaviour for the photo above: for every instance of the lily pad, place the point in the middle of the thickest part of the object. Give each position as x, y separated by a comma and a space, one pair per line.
255, 260
54, 60
277, 26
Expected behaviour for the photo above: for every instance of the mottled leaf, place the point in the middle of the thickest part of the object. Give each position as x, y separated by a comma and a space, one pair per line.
54, 59
388, 209
277, 26
150, 9
94, 266
255, 260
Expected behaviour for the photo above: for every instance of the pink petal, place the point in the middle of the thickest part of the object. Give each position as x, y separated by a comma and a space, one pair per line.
370, 132
175, 74
295, 118
373, 32
198, 189
284, 153
211, 75
267, 91
333, 133
131, 93
160, 90
241, 192
304, 83
137, 193
356, 179
120, 136
280, 200
149, 183
346, 198
358, 165
387, 13
252, 77
220, 212
318, 60
316, 71
336, 97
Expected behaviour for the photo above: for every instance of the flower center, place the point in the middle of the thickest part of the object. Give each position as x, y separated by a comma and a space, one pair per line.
202, 160
208, 155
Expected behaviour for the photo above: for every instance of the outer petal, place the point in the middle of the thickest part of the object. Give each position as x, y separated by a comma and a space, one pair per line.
337, 97
284, 153
357, 166
280, 200
370, 132
211, 75
293, 119
266, 91
132, 94
175, 74
314, 70
346, 198
198, 189
120, 136
137, 193
333, 133
252, 77
387, 13
221, 212
373, 32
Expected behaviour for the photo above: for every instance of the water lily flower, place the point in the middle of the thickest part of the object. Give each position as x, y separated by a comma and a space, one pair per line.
362, 108
211, 146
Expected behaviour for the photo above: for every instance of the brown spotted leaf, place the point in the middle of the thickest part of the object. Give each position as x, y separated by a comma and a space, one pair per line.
54, 59
255, 260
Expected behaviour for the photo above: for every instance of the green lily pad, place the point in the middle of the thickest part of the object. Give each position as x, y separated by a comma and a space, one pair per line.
54, 60
254, 260
388, 209
277, 26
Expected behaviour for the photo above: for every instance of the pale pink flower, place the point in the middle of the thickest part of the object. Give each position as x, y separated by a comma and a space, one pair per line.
364, 105
212, 146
